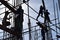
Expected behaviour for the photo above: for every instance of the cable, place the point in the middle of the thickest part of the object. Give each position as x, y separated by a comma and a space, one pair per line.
31, 27
32, 8
55, 25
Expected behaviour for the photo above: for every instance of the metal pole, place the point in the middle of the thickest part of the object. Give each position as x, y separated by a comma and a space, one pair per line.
42, 31
43, 5
29, 23
58, 16
48, 34
3, 30
55, 15
35, 34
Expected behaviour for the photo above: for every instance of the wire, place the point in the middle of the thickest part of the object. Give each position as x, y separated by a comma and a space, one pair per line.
31, 27
32, 8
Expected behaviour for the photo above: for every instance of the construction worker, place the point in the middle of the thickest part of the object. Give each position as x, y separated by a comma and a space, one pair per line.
40, 12
46, 14
19, 21
4, 21
24, 1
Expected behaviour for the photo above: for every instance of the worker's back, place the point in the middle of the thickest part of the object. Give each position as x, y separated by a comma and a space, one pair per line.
20, 14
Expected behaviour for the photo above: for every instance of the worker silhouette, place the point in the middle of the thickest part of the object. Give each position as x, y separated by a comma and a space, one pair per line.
4, 21
40, 12
24, 1
43, 34
46, 19
19, 21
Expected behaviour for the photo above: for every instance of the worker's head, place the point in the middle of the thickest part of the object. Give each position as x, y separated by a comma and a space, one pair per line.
46, 10
20, 7
41, 6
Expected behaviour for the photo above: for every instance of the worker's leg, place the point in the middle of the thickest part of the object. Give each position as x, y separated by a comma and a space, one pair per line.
45, 20
48, 19
43, 34
20, 30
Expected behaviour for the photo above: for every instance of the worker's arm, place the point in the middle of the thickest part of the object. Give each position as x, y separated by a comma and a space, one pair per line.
38, 15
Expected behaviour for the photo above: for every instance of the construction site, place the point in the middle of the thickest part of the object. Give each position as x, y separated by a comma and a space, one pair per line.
29, 19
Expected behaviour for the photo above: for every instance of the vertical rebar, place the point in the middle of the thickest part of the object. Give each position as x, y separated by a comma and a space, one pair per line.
55, 16
42, 31
3, 30
35, 34
29, 23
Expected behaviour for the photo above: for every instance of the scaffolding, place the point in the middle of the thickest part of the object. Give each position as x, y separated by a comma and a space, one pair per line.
34, 27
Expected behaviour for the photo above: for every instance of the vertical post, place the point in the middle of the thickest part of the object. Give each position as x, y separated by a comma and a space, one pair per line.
29, 23
29, 30
3, 34
43, 5
57, 13
42, 31
3, 30
36, 35
55, 16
